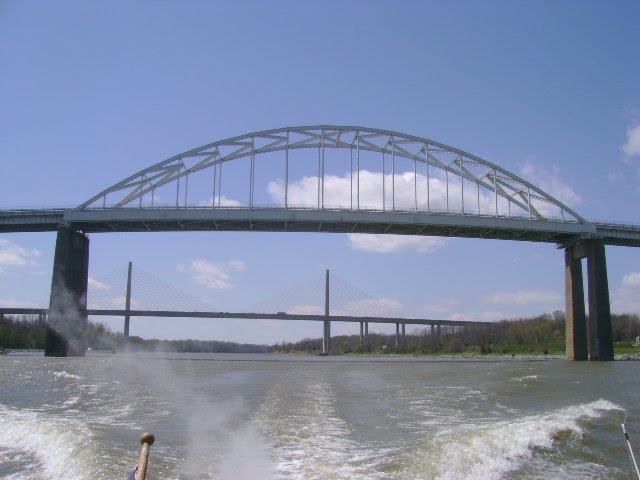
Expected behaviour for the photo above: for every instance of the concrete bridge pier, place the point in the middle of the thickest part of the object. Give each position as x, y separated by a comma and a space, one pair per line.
593, 339
326, 338
364, 333
66, 333
400, 335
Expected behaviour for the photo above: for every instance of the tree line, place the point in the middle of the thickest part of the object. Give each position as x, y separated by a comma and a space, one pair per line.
538, 335
543, 334
29, 332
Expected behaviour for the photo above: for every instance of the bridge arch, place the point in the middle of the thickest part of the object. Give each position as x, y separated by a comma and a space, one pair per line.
335, 167
349, 180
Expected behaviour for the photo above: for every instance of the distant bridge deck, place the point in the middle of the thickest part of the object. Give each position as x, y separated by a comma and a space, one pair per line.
249, 316
337, 220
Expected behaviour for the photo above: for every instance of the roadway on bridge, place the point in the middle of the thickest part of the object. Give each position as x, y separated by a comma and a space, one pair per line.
311, 220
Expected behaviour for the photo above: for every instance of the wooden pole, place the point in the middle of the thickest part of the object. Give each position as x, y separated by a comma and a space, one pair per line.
146, 439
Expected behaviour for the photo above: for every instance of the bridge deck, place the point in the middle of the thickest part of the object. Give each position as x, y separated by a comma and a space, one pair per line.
318, 220
247, 316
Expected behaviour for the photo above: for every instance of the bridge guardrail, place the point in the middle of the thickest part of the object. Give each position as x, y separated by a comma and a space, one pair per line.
618, 226
26, 211
332, 209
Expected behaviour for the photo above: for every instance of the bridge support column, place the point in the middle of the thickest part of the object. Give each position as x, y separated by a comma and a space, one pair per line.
326, 339
592, 340
404, 334
361, 334
67, 320
600, 328
366, 335
400, 334
433, 329
439, 329
576, 322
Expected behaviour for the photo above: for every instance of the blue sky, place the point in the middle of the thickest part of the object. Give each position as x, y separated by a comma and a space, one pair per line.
92, 92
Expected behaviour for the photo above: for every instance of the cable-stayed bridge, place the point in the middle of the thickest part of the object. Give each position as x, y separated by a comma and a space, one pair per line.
336, 179
132, 292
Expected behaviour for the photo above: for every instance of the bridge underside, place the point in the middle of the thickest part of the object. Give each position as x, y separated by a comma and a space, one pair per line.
325, 220
328, 221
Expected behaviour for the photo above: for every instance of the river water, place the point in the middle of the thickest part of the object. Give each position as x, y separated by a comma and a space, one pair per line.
286, 417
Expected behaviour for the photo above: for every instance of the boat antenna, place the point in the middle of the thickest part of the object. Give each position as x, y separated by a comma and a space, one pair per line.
626, 437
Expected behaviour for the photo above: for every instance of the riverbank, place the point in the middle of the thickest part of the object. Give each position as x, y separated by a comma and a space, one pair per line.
628, 356
391, 356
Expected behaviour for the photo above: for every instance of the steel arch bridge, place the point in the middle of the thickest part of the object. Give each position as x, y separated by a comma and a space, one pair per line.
332, 179
329, 179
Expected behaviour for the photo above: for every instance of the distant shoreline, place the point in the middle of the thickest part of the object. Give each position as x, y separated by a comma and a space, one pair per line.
489, 357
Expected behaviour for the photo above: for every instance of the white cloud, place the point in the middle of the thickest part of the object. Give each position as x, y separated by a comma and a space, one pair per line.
406, 191
486, 316
211, 275
551, 183
222, 201
394, 243
341, 191
523, 297
434, 308
443, 306
631, 148
383, 307
96, 285
626, 297
306, 310
13, 303
14, 255
631, 280
237, 265
121, 302
370, 308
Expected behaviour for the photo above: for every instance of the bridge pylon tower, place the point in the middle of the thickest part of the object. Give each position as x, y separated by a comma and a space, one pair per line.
326, 337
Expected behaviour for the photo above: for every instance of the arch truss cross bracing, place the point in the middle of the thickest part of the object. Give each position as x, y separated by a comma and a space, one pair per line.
333, 178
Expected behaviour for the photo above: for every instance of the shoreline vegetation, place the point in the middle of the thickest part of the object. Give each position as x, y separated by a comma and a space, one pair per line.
543, 335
